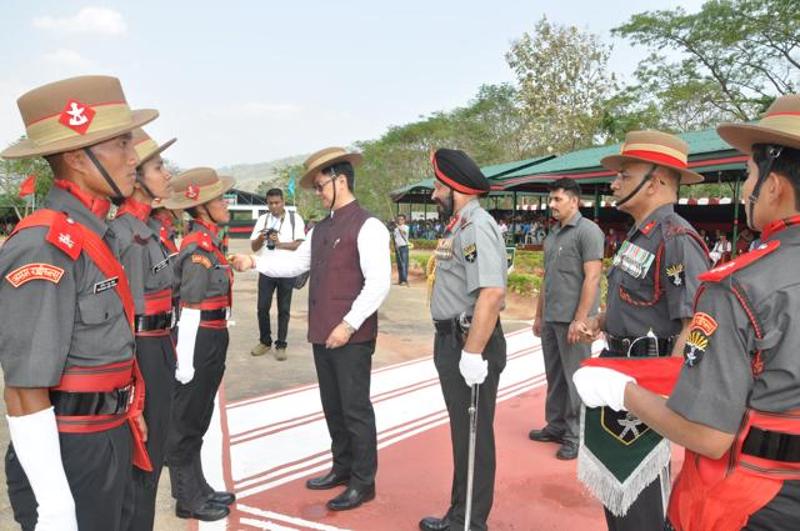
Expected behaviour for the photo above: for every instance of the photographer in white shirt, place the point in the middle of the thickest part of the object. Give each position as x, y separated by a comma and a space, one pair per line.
278, 231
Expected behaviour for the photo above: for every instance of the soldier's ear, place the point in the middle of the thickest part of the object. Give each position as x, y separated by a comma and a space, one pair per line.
75, 161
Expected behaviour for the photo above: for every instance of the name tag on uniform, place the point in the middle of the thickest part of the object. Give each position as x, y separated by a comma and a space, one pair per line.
161, 265
634, 260
105, 285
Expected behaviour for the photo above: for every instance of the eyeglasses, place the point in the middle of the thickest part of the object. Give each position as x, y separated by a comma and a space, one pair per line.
318, 187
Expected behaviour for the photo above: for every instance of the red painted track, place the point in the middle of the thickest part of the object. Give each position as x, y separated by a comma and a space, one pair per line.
533, 489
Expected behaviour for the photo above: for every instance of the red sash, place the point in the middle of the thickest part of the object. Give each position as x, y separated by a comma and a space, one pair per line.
106, 377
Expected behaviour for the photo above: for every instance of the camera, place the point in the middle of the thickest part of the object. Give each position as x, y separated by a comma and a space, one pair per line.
270, 241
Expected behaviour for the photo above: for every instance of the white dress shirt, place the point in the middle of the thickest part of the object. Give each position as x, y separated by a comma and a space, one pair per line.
376, 266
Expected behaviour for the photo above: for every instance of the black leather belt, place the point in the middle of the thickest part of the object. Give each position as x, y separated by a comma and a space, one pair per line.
449, 326
151, 323
114, 402
629, 346
214, 315
772, 445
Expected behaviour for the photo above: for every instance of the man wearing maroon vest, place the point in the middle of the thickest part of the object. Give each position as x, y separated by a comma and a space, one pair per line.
348, 256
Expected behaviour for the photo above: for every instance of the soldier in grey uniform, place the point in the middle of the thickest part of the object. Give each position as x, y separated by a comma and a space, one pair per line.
735, 407
573, 254
66, 343
151, 277
206, 283
469, 347
651, 289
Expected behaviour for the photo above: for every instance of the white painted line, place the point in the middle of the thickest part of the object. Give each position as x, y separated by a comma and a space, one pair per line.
270, 526
287, 519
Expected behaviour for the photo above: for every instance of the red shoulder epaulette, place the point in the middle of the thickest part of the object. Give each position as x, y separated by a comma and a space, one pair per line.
728, 268
64, 234
202, 239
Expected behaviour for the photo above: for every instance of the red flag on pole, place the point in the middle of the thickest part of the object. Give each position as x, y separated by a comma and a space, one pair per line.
28, 186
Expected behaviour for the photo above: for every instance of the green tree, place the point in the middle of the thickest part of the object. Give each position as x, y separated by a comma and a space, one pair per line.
13, 172
563, 85
733, 58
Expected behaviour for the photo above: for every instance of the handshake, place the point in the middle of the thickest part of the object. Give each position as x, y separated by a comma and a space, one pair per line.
242, 262
580, 331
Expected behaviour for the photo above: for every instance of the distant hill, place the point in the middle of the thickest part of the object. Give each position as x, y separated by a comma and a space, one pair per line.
249, 176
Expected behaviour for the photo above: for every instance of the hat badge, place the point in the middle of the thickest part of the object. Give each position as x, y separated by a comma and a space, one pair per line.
77, 116
192, 192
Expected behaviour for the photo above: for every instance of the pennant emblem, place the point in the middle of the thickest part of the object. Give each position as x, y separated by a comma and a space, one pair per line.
623, 425
77, 116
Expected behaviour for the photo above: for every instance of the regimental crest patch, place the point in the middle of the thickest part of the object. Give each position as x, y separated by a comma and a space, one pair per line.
622, 425
696, 346
677, 275
470, 253
77, 116
35, 271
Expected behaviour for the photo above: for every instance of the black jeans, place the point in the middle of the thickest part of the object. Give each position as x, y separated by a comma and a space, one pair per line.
266, 288
344, 380
402, 263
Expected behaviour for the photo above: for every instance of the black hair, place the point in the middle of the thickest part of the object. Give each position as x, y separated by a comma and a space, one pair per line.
192, 211
570, 186
787, 164
272, 192
342, 168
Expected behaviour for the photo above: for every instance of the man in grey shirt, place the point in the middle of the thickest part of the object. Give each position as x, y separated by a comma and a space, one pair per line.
573, 254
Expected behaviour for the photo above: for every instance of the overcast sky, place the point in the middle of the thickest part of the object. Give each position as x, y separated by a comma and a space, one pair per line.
240, 81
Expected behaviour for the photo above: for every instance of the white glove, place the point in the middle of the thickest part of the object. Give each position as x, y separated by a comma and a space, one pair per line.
38, 449
187, 336
600, 386
473, 368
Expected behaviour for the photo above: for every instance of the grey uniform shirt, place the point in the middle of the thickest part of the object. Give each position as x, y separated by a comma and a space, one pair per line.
650, 286
201, 274
47, 325
472, 256
566, 249
147, 264
717, 383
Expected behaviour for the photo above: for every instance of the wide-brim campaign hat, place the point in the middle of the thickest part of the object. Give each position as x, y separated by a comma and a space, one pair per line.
146, 148
74, 113
654, 147
196, 187
780, 125
324, 158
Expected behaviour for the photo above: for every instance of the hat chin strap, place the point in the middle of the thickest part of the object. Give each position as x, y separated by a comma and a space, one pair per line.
647, 177
117, 198
764, 169
140, 180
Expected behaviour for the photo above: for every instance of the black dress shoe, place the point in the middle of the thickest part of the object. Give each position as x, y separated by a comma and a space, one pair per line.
544, 435
431, 523
328, 481
221, 497
351, 498
568, 451
207, 512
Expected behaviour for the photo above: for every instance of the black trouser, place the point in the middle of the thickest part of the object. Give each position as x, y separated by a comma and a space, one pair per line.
98, 469
266, 288
457, 396
193, 405
156, 357
647, 512
344, 379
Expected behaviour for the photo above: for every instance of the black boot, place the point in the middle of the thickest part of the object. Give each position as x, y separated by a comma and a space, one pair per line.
191, 502
218, 497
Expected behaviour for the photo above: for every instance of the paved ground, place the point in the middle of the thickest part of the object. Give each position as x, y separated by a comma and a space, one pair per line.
406, 334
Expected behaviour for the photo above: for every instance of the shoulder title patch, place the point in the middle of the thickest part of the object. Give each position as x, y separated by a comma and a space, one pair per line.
35, 271
202, 260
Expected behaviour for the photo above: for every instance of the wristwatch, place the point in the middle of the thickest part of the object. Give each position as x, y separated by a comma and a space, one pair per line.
350, 329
